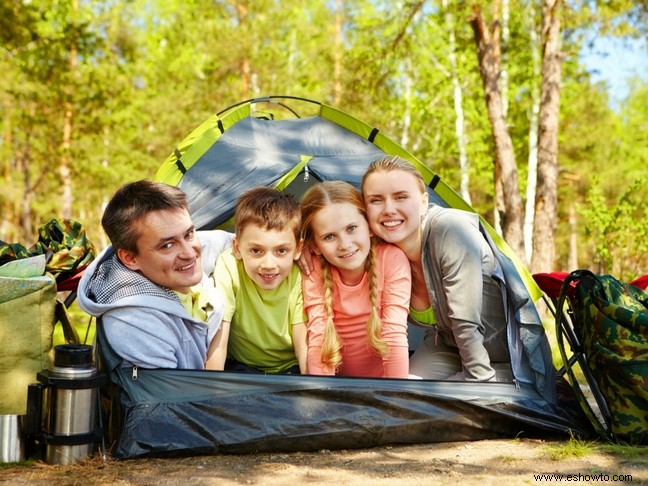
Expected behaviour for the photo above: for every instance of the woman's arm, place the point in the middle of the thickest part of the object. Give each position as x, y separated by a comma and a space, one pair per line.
460, 248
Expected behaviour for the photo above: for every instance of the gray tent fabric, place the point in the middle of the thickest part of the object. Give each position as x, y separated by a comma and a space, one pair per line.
171, 413
258, 152
181, 412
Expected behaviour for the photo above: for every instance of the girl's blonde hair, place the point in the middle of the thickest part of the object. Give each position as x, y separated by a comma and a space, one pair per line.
390, 163
314, 200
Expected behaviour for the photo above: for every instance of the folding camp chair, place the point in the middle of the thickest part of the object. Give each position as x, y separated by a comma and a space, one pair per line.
560, 296
641, 282
597, 412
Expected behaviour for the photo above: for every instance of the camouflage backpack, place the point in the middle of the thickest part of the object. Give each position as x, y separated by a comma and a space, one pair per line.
65, 243
610, 321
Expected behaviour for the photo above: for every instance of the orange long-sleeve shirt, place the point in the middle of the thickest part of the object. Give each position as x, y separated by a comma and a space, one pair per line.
351, 309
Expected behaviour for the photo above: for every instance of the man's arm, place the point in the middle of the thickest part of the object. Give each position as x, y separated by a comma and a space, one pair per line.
144, 337
213, 243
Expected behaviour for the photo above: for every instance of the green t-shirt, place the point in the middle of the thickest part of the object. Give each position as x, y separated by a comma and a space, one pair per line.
261, 320
426, 317
191, 302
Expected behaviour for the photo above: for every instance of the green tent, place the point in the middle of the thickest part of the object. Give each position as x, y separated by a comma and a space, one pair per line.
268, 141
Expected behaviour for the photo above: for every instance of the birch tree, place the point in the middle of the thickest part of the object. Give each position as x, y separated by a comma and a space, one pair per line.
457, 94
532, 160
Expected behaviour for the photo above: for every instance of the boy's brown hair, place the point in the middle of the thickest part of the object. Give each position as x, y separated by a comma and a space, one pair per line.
269, 209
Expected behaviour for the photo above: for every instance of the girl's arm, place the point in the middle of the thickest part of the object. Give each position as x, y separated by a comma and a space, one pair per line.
397, 288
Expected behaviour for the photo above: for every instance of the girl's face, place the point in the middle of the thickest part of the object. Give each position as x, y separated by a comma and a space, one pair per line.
395, 205
341, 235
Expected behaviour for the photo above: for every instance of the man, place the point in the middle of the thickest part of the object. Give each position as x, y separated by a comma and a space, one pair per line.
158, 308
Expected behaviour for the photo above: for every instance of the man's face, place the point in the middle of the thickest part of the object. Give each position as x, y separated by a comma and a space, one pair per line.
168, 250
267, 255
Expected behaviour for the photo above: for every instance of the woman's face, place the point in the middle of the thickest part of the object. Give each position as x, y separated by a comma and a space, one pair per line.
395, 205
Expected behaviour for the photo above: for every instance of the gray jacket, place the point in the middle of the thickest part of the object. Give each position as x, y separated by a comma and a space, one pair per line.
146, 324
463, 280
456, 249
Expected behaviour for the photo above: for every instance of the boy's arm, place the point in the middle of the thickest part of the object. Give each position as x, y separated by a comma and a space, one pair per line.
301, 349
217, 352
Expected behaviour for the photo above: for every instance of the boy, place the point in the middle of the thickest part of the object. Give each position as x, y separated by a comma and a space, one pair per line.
264, 325
147, 287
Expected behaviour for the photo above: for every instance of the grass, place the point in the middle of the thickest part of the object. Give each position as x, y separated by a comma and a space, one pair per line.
628, 453
574, 447
25, 463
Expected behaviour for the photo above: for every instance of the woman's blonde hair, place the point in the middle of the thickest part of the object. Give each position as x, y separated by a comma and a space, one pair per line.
390, 163
314, 200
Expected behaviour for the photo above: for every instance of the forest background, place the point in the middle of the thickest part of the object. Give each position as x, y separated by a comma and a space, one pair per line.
98, 93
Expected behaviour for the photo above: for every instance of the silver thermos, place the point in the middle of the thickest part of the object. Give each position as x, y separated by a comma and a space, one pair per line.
66, 406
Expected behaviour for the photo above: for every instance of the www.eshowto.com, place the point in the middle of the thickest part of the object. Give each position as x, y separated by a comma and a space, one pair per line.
594, 477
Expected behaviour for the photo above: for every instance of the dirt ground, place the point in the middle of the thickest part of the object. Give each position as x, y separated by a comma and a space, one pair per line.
484, 463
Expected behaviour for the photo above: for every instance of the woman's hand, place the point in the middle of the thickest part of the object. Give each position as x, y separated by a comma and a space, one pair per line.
305, 262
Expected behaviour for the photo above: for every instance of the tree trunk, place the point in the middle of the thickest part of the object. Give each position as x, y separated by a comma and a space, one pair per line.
500, 205
337, 55
505, 167
23, 163
572, 263
65, 171
407, 103
546, 202
6, 206
460, 129
532, 173
244, 63
504, 76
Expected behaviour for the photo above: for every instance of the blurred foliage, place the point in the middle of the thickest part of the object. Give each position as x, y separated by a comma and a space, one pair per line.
139, 76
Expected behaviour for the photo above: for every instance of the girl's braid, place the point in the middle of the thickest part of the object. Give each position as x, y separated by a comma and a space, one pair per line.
374, 326
332, 345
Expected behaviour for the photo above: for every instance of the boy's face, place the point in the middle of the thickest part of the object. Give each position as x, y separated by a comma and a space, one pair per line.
168, 250
267, 255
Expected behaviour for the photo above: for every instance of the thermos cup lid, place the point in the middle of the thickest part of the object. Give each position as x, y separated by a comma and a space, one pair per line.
73, 356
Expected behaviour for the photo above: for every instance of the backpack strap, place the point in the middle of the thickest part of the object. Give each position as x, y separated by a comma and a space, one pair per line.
565, 318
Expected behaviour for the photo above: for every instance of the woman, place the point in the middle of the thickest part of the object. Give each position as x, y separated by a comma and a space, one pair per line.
455, 275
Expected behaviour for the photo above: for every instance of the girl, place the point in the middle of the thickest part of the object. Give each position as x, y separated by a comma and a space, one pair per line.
455, 276
357, 295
